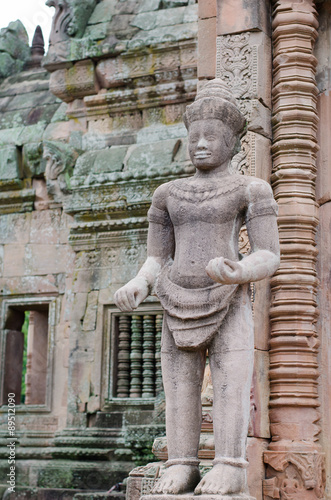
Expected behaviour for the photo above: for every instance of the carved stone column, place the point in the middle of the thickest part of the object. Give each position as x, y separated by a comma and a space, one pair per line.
295, 463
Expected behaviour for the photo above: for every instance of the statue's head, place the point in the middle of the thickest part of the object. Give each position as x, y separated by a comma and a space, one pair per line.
215, 124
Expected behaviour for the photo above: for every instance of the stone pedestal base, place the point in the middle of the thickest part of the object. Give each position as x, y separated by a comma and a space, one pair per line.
190, 496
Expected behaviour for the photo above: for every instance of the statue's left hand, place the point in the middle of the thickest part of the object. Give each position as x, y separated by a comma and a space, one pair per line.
225, 271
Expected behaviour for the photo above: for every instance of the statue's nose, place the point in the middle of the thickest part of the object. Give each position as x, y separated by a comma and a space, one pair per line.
202, 144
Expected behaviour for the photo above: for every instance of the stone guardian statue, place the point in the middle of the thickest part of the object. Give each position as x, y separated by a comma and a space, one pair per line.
202, 282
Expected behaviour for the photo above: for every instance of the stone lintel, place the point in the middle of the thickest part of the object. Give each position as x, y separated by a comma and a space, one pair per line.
235, 16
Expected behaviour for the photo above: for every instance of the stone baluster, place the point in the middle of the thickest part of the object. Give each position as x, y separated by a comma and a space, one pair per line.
295, 464
148, 357
123, 359
158, 371
136, 356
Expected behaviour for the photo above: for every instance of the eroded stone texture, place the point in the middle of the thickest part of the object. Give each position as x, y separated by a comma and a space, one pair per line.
14, 48
323, 196
239, 15
70, 18
207, 48
76, 156
145, 66
183, 249
294, 458
244, 61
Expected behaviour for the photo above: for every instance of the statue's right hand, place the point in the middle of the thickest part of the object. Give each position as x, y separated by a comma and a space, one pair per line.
132, 294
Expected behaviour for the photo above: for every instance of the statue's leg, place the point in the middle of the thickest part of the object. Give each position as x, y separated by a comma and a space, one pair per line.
231, 362
182, 379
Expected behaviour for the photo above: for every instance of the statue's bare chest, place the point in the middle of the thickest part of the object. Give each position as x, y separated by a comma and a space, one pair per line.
221, 204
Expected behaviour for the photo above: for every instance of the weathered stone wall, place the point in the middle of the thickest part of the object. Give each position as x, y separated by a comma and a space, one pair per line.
79, 165
323, 196
84, 142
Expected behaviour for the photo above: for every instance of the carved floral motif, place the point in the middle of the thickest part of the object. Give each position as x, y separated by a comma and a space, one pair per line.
244, 161
237, 63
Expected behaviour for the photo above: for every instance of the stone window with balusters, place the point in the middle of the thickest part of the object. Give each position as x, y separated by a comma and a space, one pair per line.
136, 354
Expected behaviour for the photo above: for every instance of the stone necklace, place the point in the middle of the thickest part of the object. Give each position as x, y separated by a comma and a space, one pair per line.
192, 192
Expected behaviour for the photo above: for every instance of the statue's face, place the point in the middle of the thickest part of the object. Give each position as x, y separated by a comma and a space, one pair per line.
211, 143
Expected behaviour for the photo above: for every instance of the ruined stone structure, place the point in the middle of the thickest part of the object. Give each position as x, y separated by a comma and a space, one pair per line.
85, 139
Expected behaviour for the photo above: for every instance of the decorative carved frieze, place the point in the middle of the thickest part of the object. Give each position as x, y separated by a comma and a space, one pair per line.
17, 201
75, 82
244, 161
254, 156
295, 467
237, 64
243, 61
104, 257
300, 476
102, 211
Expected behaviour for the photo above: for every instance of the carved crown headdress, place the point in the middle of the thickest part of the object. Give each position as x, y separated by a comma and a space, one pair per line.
215, 100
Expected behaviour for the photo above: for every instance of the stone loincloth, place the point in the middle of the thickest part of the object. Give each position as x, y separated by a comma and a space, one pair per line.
193, 315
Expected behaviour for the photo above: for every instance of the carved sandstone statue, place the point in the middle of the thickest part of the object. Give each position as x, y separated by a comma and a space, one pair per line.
202, 283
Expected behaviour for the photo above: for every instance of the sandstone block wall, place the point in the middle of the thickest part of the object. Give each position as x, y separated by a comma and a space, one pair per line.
84, 142
82, 148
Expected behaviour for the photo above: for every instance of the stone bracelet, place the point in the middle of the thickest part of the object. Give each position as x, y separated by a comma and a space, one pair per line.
182, 461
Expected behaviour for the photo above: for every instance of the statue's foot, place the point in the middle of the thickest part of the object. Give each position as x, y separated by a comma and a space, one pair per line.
222, 479
178, 479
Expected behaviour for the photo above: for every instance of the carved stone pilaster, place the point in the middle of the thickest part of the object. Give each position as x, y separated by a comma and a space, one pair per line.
295, 463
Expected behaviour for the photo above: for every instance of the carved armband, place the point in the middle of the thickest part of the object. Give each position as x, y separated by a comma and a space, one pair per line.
260, 208
158, 216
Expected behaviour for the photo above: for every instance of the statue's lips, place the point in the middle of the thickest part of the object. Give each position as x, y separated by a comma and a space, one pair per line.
202, 156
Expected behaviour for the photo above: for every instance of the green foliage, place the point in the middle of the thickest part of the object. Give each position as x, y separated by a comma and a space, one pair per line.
140, 438
25, 328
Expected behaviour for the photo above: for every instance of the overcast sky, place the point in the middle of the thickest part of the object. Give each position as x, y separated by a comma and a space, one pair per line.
30, 12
